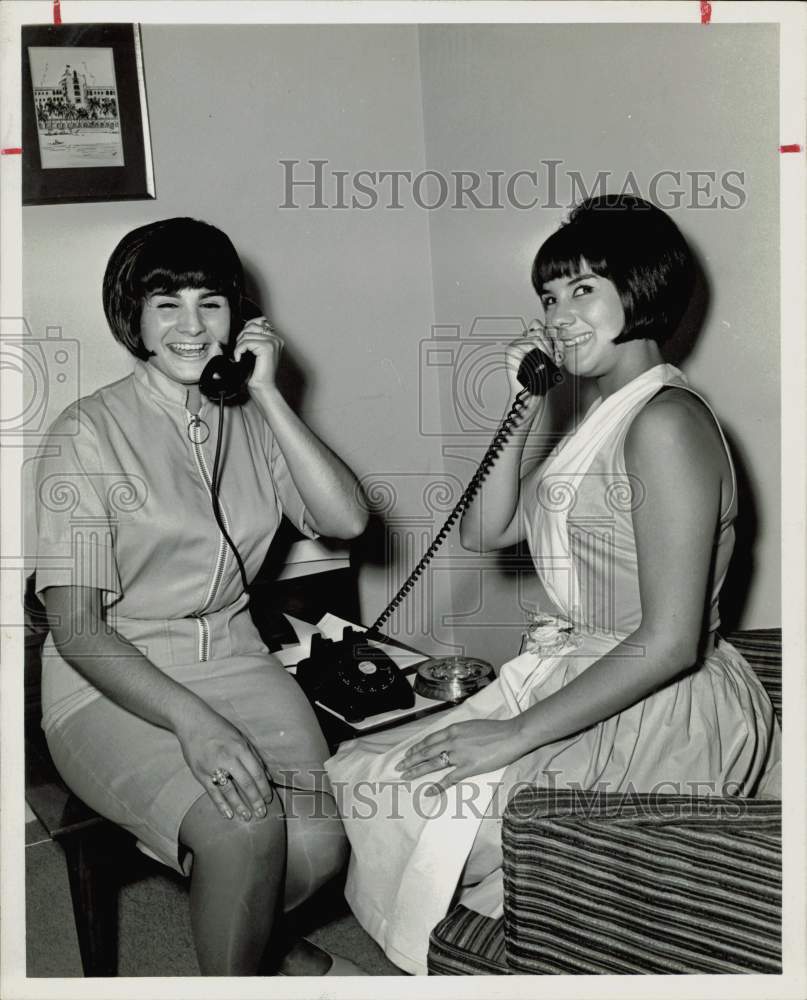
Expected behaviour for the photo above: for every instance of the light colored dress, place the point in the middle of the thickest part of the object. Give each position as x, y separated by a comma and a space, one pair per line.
710, 731
123, 505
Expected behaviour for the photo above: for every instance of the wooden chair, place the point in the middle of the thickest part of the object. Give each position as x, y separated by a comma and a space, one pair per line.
314, 579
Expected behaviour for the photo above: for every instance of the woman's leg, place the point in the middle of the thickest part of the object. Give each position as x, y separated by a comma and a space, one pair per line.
236, 885
317, 848
317, 852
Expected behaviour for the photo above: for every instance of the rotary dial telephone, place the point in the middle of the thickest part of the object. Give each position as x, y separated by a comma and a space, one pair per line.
355, 677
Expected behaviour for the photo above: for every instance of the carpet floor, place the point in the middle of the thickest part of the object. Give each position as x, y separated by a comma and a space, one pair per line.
154, 921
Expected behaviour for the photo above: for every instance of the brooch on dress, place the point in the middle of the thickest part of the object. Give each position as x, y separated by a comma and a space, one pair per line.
547, 634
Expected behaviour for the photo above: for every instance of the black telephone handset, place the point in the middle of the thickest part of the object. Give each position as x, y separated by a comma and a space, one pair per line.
538, 373
355, 677
225, 380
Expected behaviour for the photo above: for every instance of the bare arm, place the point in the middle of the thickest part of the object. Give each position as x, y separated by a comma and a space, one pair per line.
494, 519
329, 490
111, 663
674, 455
119, 670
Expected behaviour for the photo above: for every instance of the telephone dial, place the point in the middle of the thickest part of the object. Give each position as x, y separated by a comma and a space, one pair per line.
352, 675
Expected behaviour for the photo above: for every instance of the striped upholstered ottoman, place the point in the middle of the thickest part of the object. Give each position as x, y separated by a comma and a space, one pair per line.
627, 884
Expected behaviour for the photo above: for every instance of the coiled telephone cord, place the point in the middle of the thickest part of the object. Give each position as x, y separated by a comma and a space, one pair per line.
464, 501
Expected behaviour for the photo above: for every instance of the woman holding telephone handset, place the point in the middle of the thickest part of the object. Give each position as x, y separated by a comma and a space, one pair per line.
163, 709
625, 683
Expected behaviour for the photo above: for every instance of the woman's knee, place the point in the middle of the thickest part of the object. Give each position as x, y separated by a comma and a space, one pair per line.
317, 843
329, 845
208, 834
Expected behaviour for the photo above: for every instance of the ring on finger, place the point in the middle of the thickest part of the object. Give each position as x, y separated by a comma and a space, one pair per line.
221, 778
445, 760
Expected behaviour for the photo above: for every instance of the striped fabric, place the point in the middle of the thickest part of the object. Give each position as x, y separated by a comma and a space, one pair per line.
632, 883
641, 884
762, 648
467, 943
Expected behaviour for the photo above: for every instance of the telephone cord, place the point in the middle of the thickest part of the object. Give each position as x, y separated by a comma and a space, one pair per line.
214, 496
464, 501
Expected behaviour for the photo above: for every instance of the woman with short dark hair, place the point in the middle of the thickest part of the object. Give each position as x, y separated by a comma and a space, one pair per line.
163, 709
625, 683
634, 245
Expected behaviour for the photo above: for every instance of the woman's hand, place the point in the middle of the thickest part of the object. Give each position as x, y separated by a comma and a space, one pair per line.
473, 747
211, 744
517, 350
259, 337
334, 501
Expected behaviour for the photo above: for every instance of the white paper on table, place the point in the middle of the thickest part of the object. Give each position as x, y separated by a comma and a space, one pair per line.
331, 627
290, 656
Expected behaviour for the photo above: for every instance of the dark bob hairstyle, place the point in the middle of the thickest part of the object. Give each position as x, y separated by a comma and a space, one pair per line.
164, 257
637, 247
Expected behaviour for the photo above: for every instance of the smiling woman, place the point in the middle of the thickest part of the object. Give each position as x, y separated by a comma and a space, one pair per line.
183, 330
163, 709
585, 315
173, 290
627, 684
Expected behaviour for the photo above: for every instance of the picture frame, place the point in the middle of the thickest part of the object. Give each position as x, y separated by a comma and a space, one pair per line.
85, 128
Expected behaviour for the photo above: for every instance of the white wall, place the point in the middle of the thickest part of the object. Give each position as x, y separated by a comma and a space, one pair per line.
356, 293
612, 98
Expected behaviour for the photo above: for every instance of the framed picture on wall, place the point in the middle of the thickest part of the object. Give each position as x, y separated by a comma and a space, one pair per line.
85, 130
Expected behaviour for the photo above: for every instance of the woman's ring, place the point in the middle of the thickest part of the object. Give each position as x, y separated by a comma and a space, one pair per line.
220, 778
445, 760
266, 326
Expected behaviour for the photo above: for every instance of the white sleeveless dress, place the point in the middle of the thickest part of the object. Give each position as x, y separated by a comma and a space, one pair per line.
712, 730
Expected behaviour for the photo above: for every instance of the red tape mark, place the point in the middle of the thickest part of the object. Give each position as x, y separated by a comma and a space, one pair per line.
794, 147
57, 11
706, 11
11, 151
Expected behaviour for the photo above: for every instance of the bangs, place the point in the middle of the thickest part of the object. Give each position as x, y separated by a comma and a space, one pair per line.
168, 280
566, 253
188, 255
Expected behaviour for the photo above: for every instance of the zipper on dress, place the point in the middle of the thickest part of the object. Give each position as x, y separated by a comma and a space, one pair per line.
204, 638
201, 464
